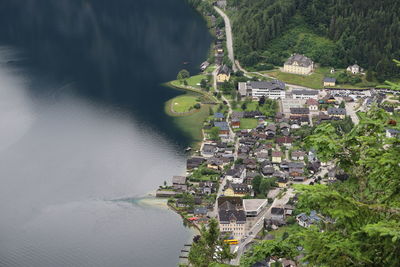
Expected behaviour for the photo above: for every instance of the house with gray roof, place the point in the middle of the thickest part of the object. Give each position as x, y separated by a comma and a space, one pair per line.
337, 112
299, 64
274, 89
305, 220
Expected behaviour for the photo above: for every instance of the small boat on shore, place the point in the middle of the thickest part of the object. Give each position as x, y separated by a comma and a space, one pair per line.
188, 149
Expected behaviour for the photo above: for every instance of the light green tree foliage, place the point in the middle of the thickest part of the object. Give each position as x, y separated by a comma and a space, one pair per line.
361, 216
214, 134
392, 85
204, 252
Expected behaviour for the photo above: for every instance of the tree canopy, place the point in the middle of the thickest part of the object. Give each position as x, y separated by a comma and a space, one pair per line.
333, 33
361, 215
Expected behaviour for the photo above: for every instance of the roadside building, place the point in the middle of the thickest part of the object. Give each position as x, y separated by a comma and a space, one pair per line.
223, 74
235, 123
236, 190
299, 64
231, 220
277, 214
337, 112
236, 175
312, 104
297, 112
304, 94
274, 89
253, 207
329, 81
223, 128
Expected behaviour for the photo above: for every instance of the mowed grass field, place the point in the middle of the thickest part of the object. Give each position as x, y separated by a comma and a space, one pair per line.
184, 103
314, 80
190, 123
247, 123
193, 81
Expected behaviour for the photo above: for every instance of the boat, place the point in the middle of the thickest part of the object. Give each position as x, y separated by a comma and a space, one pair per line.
185, 63
188, 149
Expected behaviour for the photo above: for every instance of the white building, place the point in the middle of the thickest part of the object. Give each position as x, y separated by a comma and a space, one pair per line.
236, 175
232, 221
355, 69
299, 64
274, 89
305, 94
253, 207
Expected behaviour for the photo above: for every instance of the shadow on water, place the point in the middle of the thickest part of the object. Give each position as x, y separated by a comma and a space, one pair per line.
113, 52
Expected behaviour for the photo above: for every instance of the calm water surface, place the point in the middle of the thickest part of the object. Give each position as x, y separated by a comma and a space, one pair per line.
83, 133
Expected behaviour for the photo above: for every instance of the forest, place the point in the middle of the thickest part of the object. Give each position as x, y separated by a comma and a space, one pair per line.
333, 33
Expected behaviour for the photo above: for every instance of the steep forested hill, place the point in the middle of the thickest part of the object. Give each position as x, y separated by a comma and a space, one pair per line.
332, 32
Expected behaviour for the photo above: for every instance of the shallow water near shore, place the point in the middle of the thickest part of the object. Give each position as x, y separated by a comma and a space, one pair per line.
84, 137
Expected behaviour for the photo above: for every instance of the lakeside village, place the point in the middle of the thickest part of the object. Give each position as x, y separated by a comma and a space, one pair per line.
254, 152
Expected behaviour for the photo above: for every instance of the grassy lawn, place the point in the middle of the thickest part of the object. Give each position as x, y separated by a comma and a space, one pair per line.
246, 123
193, 81
314, 80
211, 68
184, 103
249, 107
191, 124
289, 229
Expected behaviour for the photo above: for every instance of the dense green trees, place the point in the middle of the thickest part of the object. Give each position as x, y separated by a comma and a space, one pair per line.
331, 32
183, 75
209, 248
361, 215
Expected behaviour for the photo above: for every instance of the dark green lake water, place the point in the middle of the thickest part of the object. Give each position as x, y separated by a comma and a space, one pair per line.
83, 131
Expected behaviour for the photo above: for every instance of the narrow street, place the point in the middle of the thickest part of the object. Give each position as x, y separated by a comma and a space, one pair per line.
257, 227
229, 39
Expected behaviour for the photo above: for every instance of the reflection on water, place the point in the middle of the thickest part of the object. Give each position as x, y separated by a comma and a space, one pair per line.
83, 129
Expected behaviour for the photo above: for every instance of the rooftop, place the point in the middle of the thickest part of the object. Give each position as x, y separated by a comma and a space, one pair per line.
253, 204
301, 60
304, 92
271, 85
329, 80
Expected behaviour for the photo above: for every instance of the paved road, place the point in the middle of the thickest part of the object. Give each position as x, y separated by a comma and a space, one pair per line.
350, 109
257, 227
228, 33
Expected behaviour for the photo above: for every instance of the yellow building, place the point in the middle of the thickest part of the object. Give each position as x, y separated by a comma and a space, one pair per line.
329, 81
223, 74
277, 156
299, 64
236, 190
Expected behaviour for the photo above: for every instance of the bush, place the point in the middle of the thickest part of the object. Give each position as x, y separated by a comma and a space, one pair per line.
197, 106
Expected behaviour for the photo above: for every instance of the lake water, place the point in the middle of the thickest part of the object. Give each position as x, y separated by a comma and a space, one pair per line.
83, 132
